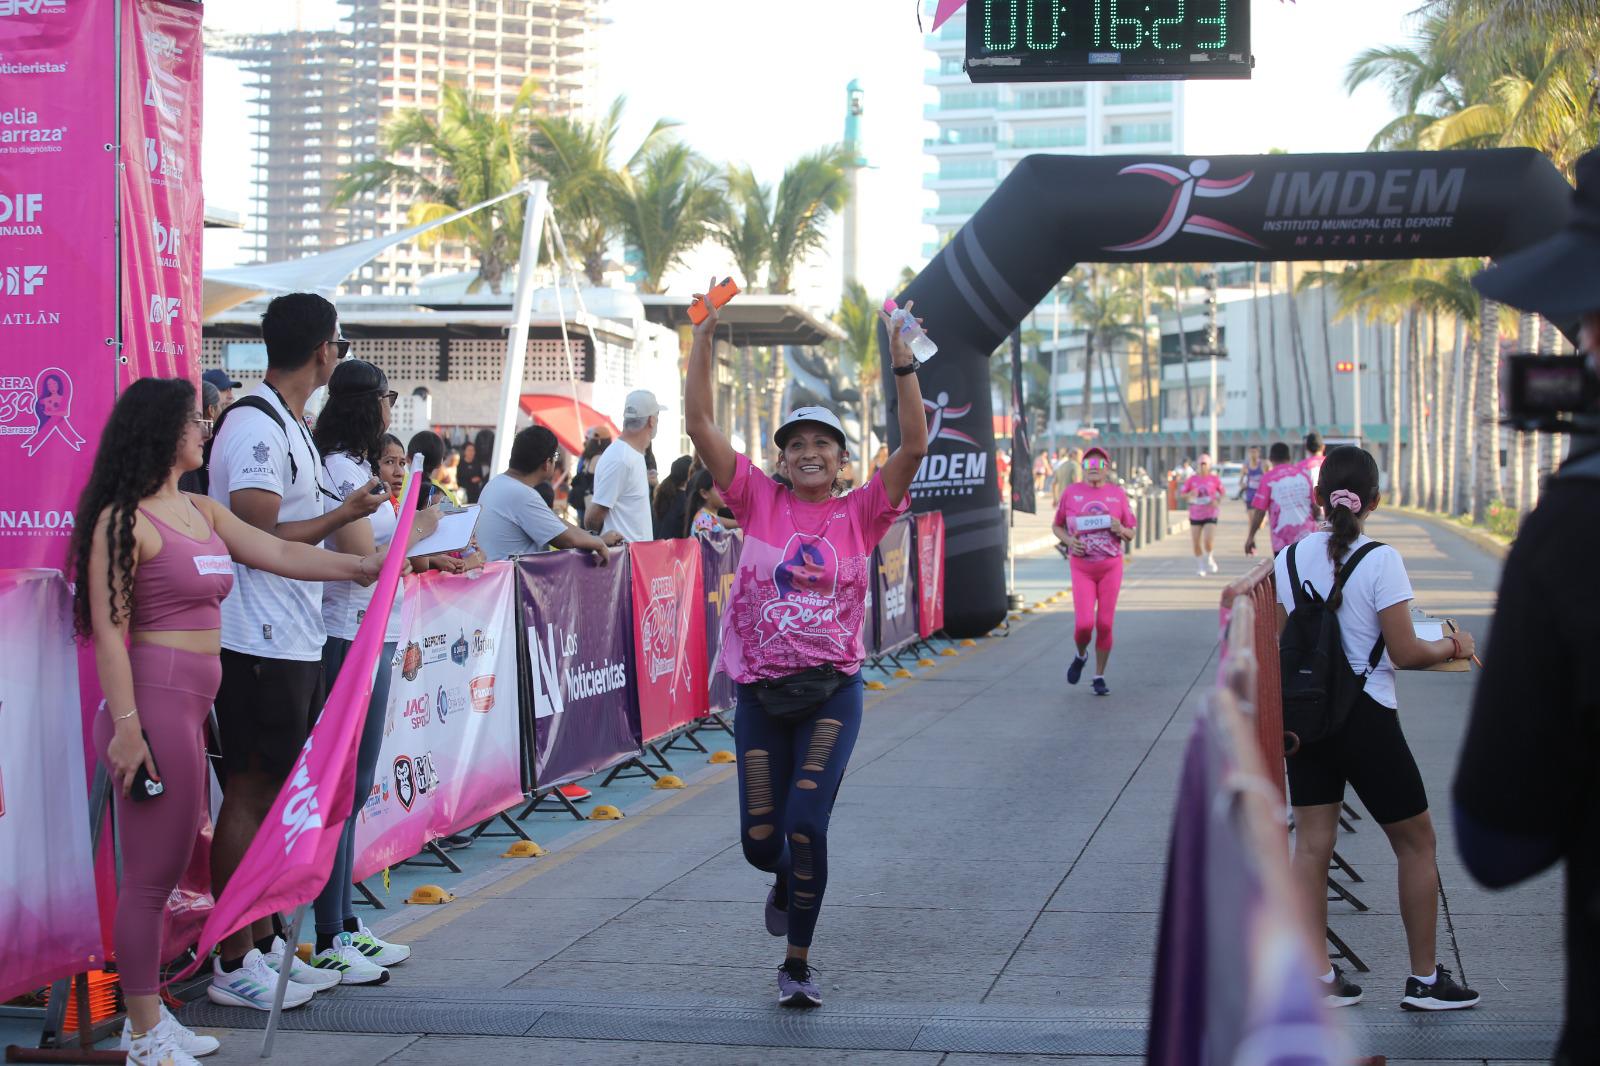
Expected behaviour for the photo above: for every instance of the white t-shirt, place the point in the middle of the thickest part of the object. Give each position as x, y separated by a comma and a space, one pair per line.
1378, 583
622, 483
267, 615
514, 519
344, 603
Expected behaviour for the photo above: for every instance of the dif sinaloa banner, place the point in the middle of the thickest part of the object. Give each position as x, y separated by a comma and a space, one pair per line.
58, 264
162, 208
451, 754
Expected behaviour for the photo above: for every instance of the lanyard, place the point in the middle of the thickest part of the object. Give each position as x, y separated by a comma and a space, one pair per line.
305, 435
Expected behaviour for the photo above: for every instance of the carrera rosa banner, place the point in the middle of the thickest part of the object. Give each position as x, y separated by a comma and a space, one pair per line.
577, 620
162, 208
1052, 212
669, 628
930, 573
49, 921
719, 562
894, 596
451, 736
58, 267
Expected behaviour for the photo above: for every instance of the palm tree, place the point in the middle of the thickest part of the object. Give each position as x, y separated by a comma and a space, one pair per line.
664, 204
1327, 353
743, 224
813, 187
1106, 306
468, 154
576, 158
858, 318
1183, 344
1486, 441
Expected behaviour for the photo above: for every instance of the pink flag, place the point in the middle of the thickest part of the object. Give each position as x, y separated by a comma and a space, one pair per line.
945, 9
289, 861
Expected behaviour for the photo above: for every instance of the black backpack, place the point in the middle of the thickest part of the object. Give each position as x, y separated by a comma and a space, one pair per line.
1319, 687
255, 403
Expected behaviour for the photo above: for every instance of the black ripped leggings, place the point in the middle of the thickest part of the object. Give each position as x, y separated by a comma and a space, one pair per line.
789, 775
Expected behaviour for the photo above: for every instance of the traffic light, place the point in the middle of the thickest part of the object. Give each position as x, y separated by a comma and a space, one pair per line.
1345, 367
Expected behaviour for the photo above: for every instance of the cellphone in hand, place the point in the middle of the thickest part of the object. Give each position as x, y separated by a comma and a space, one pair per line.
725, 290
144, 786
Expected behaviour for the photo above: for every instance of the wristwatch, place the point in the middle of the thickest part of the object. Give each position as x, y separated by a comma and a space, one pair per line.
909, 368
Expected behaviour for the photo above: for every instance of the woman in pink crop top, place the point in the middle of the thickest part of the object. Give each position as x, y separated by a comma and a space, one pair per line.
792, 632
152, 565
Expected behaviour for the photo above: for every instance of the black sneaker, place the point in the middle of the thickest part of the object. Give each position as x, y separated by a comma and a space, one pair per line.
1100, 687
1340, 992
797, 985
1444, 994
1075, 671
456, 842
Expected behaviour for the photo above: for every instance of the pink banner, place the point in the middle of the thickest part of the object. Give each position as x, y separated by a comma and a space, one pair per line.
930, 573
451, 753
162, 209
58, 264
49, 927
669, 629
287, 863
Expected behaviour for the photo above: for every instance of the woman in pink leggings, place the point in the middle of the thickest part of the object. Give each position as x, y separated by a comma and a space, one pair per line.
1093, 521
152, 566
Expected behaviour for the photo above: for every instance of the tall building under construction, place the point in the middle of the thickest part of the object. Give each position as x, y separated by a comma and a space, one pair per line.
322, 99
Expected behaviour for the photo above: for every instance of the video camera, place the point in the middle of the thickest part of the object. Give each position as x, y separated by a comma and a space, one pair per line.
1549, 394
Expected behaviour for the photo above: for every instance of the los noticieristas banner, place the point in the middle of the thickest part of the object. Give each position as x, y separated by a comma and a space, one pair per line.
58, 264
451, 753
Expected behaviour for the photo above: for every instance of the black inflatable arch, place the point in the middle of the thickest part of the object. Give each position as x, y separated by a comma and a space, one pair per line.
1053, 212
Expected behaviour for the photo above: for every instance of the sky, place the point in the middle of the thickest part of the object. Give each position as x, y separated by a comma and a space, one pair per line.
751, 86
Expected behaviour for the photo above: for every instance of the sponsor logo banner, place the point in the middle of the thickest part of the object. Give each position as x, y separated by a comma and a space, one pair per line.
894, 600
930, 573
669, 634
160, 188
719, 562
58, 263
583, 709
451, 751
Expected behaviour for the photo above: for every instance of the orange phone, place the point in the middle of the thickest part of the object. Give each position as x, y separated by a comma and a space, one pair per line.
724, 291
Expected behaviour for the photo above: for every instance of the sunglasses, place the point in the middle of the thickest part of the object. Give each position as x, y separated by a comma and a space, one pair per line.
341, 347
1094, 464
205, 424
389, 397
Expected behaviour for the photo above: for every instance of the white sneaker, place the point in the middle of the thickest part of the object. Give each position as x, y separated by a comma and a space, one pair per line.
1199, 568
1211, 563
346, 960
380, 951
188, 1040
161, 1046
252, 985
301, 974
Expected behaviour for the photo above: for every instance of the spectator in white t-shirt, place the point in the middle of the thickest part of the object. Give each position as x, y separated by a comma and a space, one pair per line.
620, 502
515, 519
266, 470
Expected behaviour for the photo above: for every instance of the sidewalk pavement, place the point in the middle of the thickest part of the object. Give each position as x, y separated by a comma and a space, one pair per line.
996, 859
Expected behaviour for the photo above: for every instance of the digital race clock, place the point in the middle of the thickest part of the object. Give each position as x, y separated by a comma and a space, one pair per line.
1107, 40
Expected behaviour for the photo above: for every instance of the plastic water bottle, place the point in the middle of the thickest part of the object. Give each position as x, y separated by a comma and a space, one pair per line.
911, 332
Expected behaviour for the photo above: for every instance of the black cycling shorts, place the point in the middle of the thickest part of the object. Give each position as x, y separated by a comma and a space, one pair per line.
1370, 752
1202, 521
265, 708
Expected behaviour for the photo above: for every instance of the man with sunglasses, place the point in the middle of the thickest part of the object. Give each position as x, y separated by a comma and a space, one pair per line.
265, 468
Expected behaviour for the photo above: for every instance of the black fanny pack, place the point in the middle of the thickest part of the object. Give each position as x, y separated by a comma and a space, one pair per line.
793, 698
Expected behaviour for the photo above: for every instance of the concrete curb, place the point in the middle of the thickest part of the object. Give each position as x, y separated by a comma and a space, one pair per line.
1483, 540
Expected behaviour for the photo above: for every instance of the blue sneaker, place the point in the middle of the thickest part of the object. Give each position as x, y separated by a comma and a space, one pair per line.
1101, 688
796, 987
777, 917
1075, 671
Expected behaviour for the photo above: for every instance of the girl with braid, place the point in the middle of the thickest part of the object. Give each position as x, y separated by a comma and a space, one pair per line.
791, 634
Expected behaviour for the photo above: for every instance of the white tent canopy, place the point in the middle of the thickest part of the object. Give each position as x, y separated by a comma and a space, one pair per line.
321, 273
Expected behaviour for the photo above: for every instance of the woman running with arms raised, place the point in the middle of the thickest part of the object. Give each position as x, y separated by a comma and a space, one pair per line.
792, 632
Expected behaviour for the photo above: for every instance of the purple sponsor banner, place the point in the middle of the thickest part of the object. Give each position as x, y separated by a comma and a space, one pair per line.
577, 619
719, 562
894, 595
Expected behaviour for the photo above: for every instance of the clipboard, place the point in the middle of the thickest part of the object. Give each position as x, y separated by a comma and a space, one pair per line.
453, 534
1428, 627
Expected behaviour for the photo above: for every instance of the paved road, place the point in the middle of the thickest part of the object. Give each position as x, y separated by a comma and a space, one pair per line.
996, 858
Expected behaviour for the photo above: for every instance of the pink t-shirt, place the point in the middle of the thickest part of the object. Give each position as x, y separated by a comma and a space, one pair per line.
1286, 494
1083, 500
1204, 492
1312, 465
800, 594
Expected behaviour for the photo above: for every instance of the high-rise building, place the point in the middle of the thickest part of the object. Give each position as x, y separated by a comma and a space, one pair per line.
984, 130
322, 99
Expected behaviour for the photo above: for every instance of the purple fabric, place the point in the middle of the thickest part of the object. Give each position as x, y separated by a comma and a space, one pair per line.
578, 626
719, 562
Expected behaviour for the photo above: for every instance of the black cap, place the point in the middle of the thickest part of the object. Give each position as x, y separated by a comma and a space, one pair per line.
221, 379
1559, 277
356, 377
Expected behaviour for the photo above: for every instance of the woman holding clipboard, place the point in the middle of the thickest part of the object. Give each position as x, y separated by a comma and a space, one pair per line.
1093, 522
